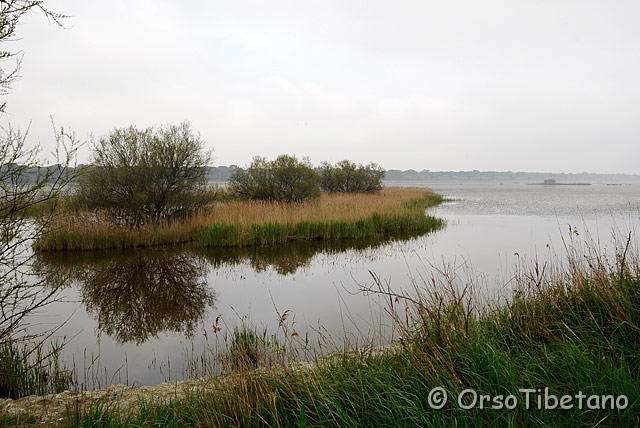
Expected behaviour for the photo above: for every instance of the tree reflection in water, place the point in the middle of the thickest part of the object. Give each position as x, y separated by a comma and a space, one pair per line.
138, 294
141, 293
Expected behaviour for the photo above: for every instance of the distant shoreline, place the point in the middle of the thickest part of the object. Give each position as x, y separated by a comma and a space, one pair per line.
509, 176
552, 182
559, 184
221, 174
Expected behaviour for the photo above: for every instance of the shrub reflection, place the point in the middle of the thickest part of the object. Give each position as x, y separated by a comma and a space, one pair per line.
140, 294
286, 259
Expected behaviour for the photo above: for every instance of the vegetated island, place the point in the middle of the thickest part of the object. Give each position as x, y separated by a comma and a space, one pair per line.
391, 212
149, 187
553, 182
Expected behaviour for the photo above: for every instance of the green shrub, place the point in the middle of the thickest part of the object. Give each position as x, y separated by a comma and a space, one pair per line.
142, 176
285, 179
347, 177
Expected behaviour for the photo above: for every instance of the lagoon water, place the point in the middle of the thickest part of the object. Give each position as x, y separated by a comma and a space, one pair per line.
145, 317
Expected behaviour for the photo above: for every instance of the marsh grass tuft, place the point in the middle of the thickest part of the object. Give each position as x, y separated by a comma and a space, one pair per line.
28, 368
248, 349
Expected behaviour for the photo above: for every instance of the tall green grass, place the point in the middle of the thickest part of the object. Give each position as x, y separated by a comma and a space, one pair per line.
570, 327
411, 222
28, 368
275, 233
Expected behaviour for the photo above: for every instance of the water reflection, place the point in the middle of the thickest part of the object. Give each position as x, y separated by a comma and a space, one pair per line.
286, 259
138, 295
135, 295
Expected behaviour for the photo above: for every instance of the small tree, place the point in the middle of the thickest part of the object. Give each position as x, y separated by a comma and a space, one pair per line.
348, 177
285, 179
146, 175
26, 188
27, 191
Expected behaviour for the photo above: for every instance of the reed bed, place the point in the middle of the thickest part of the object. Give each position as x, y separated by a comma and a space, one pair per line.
29, 368
570, 329
233, 223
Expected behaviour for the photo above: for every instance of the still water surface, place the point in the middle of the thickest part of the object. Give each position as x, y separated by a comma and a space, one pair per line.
140, 317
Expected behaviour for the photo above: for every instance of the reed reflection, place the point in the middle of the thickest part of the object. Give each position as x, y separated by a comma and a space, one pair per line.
283, 259
140, 294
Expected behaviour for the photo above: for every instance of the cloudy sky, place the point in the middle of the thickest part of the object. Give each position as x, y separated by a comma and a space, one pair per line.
549, 86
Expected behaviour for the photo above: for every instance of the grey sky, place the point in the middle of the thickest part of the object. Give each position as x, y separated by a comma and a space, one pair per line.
443, 85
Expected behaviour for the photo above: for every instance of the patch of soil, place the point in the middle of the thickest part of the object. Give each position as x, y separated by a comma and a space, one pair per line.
57, 407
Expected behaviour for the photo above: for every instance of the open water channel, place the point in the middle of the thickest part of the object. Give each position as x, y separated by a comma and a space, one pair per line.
144, 317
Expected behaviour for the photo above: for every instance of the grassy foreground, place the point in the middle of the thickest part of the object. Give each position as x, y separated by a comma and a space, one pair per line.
389, 213
563, 351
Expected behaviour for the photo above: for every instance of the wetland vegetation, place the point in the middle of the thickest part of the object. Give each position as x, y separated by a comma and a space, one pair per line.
561, 351
112, 205
230, 222
569, 329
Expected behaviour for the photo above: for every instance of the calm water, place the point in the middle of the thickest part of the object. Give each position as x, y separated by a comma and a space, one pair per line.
138, 319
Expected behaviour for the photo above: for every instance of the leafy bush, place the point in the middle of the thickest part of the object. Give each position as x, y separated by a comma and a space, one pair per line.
348, 177
146, 175
285, 179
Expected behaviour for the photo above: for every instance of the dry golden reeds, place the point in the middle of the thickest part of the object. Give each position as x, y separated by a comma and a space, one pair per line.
394, 210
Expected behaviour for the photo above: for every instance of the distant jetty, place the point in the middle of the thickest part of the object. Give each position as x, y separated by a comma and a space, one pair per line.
553, 182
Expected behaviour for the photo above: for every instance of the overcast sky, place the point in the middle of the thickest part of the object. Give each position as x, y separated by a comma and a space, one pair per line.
549, 86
